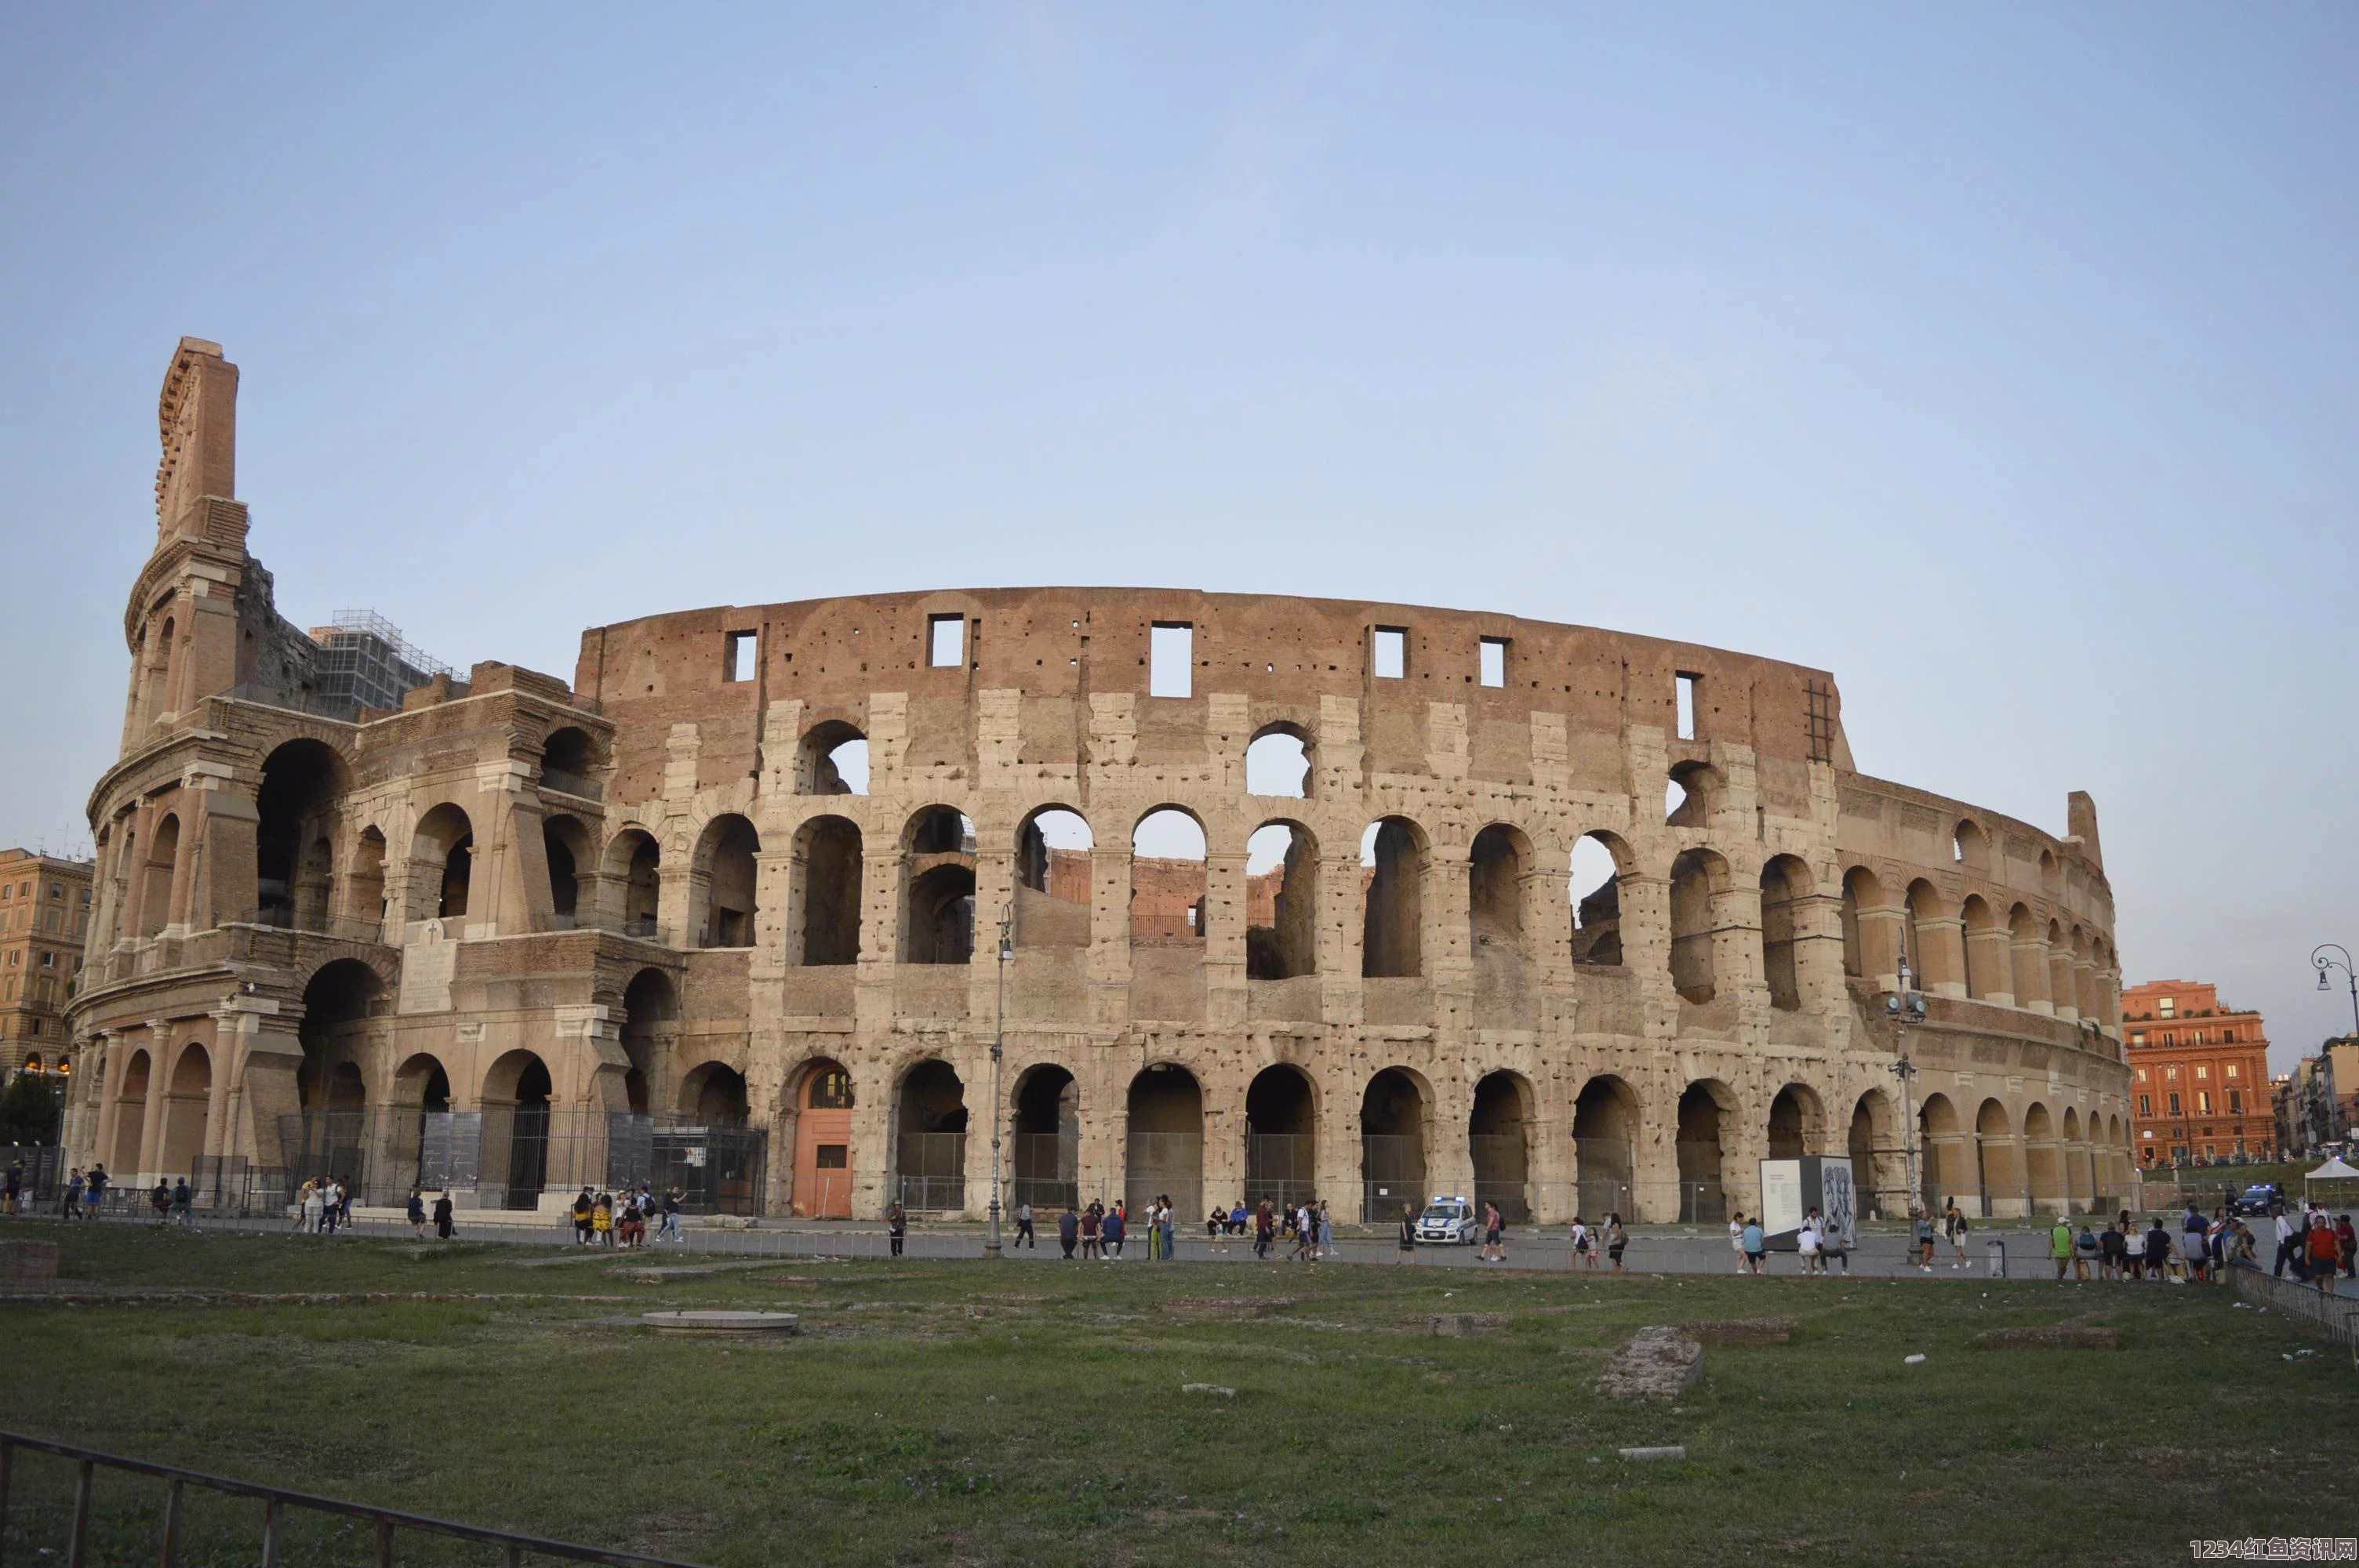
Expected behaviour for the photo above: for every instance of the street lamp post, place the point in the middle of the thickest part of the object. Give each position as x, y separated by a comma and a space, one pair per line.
2321, 960
1904, 1007
998, 1045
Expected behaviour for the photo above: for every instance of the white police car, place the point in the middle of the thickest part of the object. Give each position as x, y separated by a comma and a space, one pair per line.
1451, 1220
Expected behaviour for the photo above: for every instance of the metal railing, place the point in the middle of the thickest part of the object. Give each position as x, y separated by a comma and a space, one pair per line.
276, 1502
2329, 1310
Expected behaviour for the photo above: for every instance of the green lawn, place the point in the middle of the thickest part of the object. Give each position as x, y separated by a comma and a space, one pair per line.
968, 1412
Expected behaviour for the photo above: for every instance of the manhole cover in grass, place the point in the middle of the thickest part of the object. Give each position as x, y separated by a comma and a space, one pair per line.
721, 1322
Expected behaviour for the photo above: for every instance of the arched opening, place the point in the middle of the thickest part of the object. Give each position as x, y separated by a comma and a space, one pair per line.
364, 887
1281, 1141
1796, 1123
1164, 1140
1699, 878
2043, 1175
425, 1146
155, 894
1281, 903
1166, 879
929, 1155
328, 1134
1921, 913
2076, 1169
1599, 863
938, 877
2060, 973
186, 1106
1053, 879
295, 822
1605, 1146
1694, 791
1705, 1111
724, 855
716, 1116
2029, 958
633, 865
1862, 958
1497, 1136
1047, 1146
1969, 847
1494, 887
566, 843
1987, 970
1784, 882
823, 1142
1392, 1146
130, 1115
827, 885
567, 759
714, 1094
1278, 761
1945, 1171
1876, 1171
441, 858
1392, 861
1997, 1176
651, 1028
832, 759
517, 1092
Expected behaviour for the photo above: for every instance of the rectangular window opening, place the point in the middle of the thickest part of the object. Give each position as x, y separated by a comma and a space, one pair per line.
1390, 651
1495, 661
1688, 685
744, 647
945, 640
1171, 659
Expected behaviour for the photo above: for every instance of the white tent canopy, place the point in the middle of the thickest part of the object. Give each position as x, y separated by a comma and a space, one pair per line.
2335, 1169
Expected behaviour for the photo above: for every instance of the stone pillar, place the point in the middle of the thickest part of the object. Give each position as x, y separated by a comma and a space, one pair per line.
1224, 939
2029, 956
1992, 959
1109, 953
1879, 946
1341, 928
2061, 985
1944, 958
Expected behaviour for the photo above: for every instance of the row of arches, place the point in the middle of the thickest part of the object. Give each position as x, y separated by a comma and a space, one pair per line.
1970, 949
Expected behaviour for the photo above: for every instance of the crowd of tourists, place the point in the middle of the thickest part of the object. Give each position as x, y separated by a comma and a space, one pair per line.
609, 1219
1817, 1243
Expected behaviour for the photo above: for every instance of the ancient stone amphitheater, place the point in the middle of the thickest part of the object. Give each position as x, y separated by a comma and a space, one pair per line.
1264, 896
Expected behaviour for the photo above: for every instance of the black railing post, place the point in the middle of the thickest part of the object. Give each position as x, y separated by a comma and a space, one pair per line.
174, 1494
8, 1464
78, 1546
384, 1544
270, 1512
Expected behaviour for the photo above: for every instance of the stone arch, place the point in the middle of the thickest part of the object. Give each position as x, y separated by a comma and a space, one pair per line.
1927, 920
1707, 1117
441, 859
1395, 1108
187, 1111
1878, 1169
821, 1093
296, 816
937, 888
714, 1092
1281, 902
1495, 867
1798, 1122
565, 842
1700, 884
157, 875
1948, 1168
823, 914
1167, 867
1988, 971
515, 1099
569, 759
1867, 939
632, 870
1785, 883
649, 1030
831, 758
339, 1000
1164, 1138
130, 1112
1969, 846
365, 893
1695, 791
1997, 1159
1498, 1137
1045, 1148
1281, 1136
722, 872
1279, 762
1392, 854
1600, 862
2043, 1169
2028, 959
929, 1137
1605, 1122
1054, 848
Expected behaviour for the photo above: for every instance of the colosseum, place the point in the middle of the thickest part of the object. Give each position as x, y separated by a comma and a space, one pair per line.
799, 907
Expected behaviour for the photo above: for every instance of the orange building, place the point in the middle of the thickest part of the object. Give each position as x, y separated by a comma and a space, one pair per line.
44, 916
2201, 1076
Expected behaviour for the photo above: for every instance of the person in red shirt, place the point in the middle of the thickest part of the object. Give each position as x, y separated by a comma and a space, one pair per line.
2324, 1250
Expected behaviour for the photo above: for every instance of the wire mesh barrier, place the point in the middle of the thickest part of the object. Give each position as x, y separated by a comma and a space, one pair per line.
931, 1174
2334, 1314
1046, 1167
23, 1508
1279, 1169
1391, 1176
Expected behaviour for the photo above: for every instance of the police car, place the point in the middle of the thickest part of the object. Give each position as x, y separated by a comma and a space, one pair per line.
1451, 1220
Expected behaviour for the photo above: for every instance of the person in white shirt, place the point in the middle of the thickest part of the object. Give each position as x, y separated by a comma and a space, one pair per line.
1737, 1240
1807, 1242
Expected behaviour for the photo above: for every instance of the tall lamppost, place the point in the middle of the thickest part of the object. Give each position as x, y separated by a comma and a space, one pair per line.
998, 1045
1905, 1007
2321, 961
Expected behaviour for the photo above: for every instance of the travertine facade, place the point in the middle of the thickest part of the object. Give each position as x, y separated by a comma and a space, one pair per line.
521, 935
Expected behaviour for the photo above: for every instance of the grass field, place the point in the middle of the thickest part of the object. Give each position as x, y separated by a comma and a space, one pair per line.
964, 1412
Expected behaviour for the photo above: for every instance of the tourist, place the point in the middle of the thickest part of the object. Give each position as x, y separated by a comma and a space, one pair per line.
2059, 1246
1115, 1232
2157, 1262
896, 1227
2325, 1251
1069, 1230
2086, 1251
1924, 1242
1092, 1217
2192, 1230
1832, 1247
418, 1214
443, 1226
309, 1206
331, 1206
1805, 1243
1171, 1231
1580, 1242
184, 1204
1216, 1225
1306, 1236
2288, 1245
582, 1205
2110, 1245
1492, 1251
634, 1225
1737, 1240
1405, 1248
1024, 1236
1265, 1227
94, 1192
1326, 1231
601, 1220
345, 1204
12, 1186
2346, 1242
1756, 1248
1953, 1220
670, 1226
72, 1209
1239, 1219
160, 1200
1616, 1239
1154, 1232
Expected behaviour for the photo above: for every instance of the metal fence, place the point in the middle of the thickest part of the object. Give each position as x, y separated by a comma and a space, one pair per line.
276, 1502
931, 1174
2333, 1315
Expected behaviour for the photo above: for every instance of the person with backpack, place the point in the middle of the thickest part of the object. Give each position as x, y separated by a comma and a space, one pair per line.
2110, 1246
670, 1226
2157, 1250
1069, 1230
1617, 1238
896, 1227
184, 1204
1112, 1233
418, 1214
2086, 1251
160, 1200
2059, 1247
1024, 1236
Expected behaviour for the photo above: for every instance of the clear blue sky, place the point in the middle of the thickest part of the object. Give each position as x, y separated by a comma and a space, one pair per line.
2000, 360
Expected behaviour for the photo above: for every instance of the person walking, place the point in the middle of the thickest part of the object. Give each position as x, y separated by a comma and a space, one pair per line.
1492, 1252
1406, 1248
1326, 1231
1264, 1227
2059, 1247
184, 1204
1756, 1248
1924, 1242
1616, 1239
1737, 1240
2325, 1252
2289, 1240
896, 1227
418, 1214
1069, 1230
12, 1186
1024, 1236
443, 1226
670, 1226
1170, 1233
1953, 1220
332, 1206
2346, 1243
93, 1196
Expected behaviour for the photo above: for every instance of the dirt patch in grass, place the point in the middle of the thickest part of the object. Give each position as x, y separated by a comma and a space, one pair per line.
1744, 1331
2053, 1337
